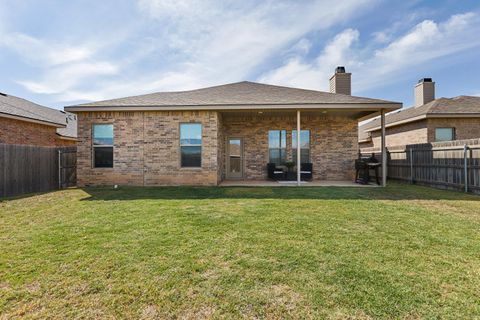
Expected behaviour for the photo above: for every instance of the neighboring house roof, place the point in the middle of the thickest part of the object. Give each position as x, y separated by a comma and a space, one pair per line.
24, 110
70, 131
461, 106
233, 96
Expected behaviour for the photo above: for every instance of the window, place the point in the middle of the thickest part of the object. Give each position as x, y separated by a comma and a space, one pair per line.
304, 146
103, 145
444, 134
191, 144
277, 146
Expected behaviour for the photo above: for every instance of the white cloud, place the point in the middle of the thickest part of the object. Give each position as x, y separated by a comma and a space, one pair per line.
46, 53
422, 44
185, 44
314, 75
221, 42
60, 79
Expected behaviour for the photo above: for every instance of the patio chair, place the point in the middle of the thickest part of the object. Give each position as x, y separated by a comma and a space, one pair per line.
275, 173
306, 170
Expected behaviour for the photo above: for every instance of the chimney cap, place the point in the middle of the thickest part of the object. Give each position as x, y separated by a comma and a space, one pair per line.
425, 80
340, 69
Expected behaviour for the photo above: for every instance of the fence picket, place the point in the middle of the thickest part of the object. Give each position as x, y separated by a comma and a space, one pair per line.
450, 165
27, 169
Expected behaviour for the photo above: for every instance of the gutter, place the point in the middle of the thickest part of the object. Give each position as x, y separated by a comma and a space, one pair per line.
67, 138
343, 106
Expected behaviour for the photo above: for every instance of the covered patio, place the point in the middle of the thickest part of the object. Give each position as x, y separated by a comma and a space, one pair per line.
257, 138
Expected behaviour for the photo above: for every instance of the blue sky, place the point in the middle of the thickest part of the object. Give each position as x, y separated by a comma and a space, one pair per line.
59, 53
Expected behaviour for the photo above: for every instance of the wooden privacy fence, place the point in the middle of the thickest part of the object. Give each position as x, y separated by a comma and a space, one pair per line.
449, 165
27, 169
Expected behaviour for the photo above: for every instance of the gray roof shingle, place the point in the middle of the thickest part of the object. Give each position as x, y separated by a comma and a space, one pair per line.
22, 108
70, 131
239, 93
442, 106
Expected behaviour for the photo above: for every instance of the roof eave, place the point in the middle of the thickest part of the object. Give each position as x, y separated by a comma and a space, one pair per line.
387, 106
67, 137
425, 116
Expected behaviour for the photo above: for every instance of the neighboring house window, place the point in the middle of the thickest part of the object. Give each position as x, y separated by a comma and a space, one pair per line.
191, 144
304, 146
444, 134
277, 146
103, 145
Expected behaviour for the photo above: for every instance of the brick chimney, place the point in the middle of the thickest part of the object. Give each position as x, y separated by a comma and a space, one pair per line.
424, 91
341, 82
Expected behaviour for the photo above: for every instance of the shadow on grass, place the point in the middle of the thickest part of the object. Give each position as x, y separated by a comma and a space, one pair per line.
394, 191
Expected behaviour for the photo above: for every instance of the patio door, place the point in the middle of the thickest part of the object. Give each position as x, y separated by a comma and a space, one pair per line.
234, 158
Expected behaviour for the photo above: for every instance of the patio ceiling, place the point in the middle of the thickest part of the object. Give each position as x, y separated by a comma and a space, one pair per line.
349, 113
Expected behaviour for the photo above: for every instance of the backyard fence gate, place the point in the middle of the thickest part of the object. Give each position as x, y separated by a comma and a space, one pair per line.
26, 169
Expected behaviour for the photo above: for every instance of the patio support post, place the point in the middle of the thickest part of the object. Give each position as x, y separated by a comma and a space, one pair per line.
298, 148
384, 150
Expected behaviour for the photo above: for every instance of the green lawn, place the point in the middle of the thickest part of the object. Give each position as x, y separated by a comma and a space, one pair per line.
358, 253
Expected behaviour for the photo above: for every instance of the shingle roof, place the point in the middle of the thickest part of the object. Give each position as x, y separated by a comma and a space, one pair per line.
70, 131
240, 93
18, 107
21, 108
461, 105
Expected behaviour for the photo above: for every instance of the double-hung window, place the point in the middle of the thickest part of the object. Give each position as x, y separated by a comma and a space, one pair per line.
444, 134
103, 145
277, 146
304, 146
191, 144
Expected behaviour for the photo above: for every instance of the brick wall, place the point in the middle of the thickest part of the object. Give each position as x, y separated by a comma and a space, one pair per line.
465, 128
333, 143
147, 149
413, 132
14, 131
423, 131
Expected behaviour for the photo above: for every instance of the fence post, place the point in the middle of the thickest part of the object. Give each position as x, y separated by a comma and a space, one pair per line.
411, 165
465, 165
59, 169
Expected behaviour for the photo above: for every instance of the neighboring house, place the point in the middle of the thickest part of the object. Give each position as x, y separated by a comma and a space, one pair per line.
430, 120
25, 122
204, 136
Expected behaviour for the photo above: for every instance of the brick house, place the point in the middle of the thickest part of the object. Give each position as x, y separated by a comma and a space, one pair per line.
25, 122
226, 132
430, 120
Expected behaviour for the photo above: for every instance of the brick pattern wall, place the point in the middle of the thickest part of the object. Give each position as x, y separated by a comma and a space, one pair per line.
423, 131
14, 131
147, 149
162, 148
221, 154
465, 128
333, 143
413, 132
